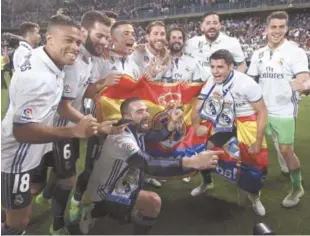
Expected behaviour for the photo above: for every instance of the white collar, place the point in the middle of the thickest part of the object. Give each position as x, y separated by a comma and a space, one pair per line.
49, 62
25, 44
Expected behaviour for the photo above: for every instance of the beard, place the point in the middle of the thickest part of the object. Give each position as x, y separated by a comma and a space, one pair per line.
176, 50
213, 37
152, 45
89, 45
142, 127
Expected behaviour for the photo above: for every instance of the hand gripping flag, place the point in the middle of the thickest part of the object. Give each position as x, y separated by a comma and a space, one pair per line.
160, 98
237, 164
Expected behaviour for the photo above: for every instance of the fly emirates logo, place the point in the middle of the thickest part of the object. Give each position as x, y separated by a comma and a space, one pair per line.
270, 74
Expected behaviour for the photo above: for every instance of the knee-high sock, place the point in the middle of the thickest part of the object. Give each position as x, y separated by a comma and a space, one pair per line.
296, 179
59, 203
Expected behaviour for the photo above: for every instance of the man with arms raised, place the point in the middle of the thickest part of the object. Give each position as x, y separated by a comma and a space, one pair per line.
277, 65
201, 48
27, 128
116, 183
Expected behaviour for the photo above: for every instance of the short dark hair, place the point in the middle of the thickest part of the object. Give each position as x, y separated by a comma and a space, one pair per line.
27, 27
125, 104
120, 23
150, 26
62, 20
176, 29
110, 14
90, 17
281, 15
210, 13
223, 54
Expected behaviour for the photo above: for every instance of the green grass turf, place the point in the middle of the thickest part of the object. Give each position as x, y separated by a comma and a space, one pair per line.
222, 210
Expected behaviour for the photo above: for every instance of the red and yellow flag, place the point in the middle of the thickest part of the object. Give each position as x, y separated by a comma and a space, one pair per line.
160, 98
248, 170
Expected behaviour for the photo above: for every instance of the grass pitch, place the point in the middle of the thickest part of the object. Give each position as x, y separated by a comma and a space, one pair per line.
220, 211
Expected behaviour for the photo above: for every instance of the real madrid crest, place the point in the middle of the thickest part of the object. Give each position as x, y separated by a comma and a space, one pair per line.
146, 59
162, 118
281, 61
128, 184
212, 106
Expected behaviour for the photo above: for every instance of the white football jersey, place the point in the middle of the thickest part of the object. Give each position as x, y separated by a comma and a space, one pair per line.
35, 92
76, 81
143, 59
111, 163
185, 68
199, 48
275, 70
21, 51
116, 63
244, 92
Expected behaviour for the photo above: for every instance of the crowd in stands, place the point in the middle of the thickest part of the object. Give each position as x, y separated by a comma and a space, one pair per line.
249, 30
13, 12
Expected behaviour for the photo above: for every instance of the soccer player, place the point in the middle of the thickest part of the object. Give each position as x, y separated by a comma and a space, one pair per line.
154, 51
116, 183
27, 128
96, 32
183, 67
31, 39
201, 48
108, 70
276, 65
226, 95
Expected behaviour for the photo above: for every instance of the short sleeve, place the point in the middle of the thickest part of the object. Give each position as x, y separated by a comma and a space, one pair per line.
299, 62
139, 60
31, 104
19, 57
251, 90
200, 74
99, 70
253, 68
126, 145
204, 91
236, 51
70, 82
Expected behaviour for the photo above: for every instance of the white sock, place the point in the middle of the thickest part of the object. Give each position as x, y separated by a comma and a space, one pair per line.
74, 202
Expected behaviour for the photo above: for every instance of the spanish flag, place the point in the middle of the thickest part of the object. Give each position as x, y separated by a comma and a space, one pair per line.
247, 170
160, 98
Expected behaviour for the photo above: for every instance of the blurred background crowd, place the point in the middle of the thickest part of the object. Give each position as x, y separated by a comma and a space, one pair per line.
247, 27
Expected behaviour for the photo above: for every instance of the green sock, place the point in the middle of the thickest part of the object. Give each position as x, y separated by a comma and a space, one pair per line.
296, 179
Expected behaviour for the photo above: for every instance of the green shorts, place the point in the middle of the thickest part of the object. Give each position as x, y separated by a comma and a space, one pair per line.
283, 127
